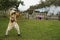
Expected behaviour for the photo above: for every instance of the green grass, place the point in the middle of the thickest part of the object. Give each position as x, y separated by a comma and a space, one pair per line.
32, 30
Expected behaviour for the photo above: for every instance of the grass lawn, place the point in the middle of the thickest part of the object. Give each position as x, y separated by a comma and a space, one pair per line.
32, 30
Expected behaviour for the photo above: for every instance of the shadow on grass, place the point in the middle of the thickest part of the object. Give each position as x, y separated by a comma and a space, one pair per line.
10, 37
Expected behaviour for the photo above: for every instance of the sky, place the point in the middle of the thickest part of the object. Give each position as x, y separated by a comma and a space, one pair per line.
52, 9
28, 3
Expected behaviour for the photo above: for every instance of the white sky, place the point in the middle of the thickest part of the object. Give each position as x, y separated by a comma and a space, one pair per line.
52, 9
27, 4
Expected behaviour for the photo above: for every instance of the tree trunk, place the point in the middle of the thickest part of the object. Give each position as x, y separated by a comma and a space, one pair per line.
59, 16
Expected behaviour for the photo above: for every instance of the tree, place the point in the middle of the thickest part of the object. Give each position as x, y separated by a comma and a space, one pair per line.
48, 3
6, 4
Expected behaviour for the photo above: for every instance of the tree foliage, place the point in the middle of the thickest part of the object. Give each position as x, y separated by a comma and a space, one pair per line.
48, 3
5, 4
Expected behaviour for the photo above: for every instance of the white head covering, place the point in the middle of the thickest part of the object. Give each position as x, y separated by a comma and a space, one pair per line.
12, 10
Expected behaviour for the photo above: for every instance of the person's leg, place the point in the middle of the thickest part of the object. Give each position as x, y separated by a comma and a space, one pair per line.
8, 28
17, 28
